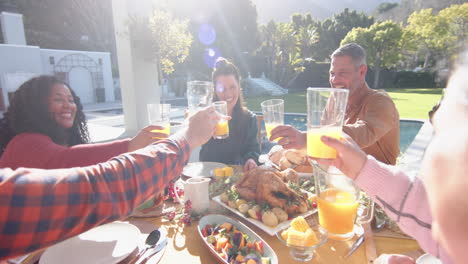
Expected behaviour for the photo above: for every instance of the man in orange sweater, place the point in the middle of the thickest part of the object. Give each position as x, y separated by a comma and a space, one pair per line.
371, 120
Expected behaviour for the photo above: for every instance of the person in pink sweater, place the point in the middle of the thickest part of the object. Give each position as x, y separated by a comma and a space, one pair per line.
432, 208
45, 127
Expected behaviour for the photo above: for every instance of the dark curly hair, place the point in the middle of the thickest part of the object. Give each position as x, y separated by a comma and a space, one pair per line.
28, 112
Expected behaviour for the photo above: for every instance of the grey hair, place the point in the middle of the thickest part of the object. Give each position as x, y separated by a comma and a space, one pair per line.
353, 50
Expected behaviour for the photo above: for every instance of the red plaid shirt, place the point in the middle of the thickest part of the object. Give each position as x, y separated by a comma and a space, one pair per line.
39, 208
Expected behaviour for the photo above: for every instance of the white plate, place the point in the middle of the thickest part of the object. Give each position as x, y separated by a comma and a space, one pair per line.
201, 169
220, 219
104, 244
269, 230
428, 259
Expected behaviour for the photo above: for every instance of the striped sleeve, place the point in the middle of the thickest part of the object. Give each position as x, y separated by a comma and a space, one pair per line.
41, 207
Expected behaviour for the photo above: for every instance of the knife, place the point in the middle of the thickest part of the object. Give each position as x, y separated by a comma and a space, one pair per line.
355, 246
149, 254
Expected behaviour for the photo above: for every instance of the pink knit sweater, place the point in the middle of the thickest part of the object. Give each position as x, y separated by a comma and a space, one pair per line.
404, 199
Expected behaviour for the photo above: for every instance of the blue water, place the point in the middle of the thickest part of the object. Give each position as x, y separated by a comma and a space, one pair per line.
408, 128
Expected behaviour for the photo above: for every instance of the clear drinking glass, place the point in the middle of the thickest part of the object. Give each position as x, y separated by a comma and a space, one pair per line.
159, 114
339, 202
199, 95
306, 253
325, 114
273, 114
222, 128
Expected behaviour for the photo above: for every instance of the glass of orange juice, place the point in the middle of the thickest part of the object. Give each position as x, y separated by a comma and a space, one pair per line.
339, 205
158, 114
325, 114
222, 128
273, 114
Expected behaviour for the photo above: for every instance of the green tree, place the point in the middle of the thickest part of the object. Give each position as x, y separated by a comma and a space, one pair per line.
163, 39
430, 32
306, 34
306, 38
382, 42
456, 17
281, 51
332, 31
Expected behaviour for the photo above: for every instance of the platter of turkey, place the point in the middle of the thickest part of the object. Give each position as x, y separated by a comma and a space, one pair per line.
268, 198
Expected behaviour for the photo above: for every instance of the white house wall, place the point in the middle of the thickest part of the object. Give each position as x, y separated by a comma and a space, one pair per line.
17, 64
106, 67
15, 58
13, 28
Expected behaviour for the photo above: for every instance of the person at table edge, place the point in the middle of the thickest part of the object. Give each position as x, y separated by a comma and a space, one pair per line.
432, 207
39, 208
241, 147
45, 127
371, 119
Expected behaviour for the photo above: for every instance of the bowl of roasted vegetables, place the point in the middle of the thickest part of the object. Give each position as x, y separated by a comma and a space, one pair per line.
232, 242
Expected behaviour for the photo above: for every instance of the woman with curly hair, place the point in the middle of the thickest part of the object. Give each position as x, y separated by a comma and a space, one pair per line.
45, 127
241, 147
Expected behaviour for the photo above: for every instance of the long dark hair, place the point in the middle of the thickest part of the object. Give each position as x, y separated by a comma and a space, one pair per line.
225, 67
28, 112
240, 114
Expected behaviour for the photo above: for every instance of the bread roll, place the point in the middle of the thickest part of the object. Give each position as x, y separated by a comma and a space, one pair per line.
284, 163
295, 157
276, 153
304, 168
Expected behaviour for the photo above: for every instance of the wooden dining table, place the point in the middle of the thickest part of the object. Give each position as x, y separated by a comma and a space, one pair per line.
186, 246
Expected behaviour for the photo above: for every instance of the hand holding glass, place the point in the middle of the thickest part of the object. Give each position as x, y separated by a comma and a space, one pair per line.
158, 114
273, 115
222, 128
325, 114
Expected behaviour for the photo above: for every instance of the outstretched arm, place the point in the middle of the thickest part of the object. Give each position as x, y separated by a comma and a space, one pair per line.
41, 207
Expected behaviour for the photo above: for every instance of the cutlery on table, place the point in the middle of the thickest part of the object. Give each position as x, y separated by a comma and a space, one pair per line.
355, 246
150, 242
150, 253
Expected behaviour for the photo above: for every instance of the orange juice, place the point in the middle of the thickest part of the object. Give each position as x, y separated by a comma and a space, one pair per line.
222, 129
337, 211
269, 128
166, 130
316, 148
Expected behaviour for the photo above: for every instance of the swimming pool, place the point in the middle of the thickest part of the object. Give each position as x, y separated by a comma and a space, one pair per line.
408, 128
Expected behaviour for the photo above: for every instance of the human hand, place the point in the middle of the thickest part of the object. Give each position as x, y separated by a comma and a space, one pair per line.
393, 259
202, 125
350, 158
146, 137
291, 137
249, 165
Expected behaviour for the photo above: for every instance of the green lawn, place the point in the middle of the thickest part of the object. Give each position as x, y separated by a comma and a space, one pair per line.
411, 103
